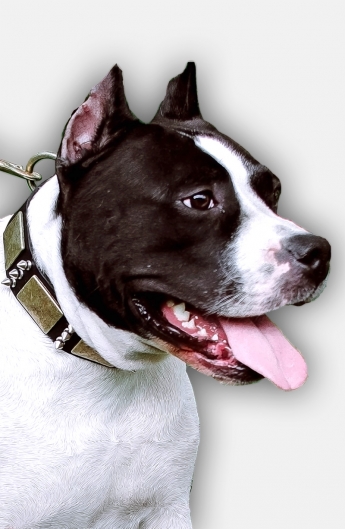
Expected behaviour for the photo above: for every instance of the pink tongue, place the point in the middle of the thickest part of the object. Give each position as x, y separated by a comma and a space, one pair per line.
260, 345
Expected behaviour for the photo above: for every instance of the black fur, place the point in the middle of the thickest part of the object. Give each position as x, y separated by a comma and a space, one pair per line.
143, 239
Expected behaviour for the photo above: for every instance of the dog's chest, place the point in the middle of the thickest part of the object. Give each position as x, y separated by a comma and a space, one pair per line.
76, 443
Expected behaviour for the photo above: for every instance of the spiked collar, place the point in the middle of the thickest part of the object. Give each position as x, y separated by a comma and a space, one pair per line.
35, 292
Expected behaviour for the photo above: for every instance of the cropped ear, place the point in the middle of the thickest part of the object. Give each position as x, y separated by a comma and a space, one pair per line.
181, 100
104, 112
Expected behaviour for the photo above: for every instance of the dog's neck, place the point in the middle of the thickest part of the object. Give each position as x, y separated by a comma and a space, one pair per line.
122, 349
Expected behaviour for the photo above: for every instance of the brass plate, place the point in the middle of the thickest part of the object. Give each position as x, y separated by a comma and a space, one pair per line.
14, 242
39, 303
85, 351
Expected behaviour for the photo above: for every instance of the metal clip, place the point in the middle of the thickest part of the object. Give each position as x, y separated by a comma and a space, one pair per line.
28, 173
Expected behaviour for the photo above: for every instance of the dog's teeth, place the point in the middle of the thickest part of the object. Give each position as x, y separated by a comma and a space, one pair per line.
170, 303
215, 337
189, 324
180, 312
202, 332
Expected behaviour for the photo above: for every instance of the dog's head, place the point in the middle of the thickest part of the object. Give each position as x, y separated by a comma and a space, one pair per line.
170, 230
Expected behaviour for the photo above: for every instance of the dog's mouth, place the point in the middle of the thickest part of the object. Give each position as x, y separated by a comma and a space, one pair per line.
232, 350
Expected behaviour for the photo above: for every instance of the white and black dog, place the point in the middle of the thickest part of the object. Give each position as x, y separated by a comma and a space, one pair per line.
162, 245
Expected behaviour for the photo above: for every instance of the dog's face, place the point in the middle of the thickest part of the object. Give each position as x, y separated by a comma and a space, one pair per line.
170, 230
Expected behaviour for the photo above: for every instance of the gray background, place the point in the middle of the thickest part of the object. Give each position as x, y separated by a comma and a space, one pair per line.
271, 75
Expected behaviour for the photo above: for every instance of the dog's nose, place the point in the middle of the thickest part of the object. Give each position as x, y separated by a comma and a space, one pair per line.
312, 252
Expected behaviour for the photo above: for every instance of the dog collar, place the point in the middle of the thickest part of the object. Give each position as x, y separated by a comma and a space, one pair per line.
35, 292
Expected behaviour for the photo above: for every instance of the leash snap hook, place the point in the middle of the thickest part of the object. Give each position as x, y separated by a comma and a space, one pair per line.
45, 155
28, 173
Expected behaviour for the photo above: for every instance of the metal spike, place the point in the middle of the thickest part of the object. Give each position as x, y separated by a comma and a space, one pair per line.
58, 343
14, 273
65, 335
7, 282
22, 265
70, 329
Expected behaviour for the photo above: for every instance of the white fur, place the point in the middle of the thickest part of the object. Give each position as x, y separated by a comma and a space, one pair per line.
83, 446
250, 259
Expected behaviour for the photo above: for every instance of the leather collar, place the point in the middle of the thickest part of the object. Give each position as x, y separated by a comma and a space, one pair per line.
36, 294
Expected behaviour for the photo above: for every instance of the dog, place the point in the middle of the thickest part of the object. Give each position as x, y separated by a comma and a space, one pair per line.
154, 246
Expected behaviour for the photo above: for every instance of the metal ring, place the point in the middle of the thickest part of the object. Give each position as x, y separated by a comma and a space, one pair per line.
32, 162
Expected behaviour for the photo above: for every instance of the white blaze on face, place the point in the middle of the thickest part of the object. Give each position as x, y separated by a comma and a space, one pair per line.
250, 260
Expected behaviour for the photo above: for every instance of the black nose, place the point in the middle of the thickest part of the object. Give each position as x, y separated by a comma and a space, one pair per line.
312, 252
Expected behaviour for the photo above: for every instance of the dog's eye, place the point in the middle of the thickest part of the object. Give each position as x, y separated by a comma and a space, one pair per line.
268, 187
203, 200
